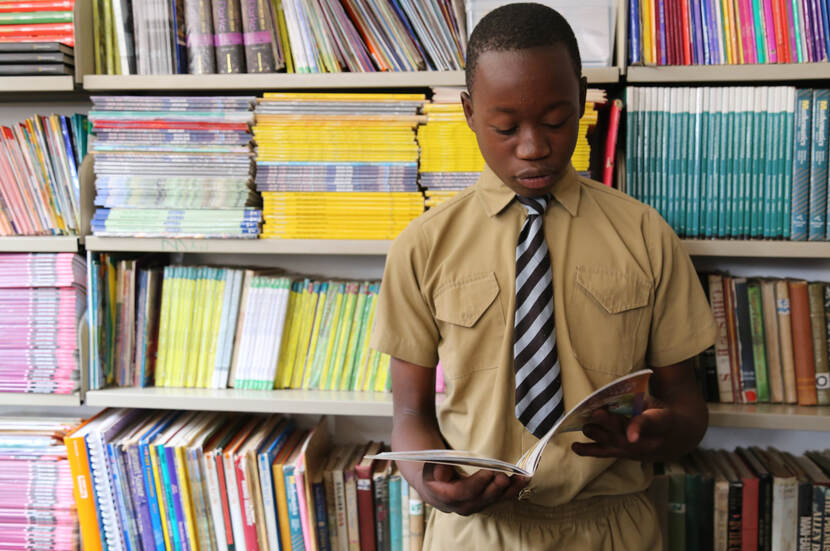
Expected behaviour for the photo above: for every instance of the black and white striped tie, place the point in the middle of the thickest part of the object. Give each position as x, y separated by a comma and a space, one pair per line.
539, 402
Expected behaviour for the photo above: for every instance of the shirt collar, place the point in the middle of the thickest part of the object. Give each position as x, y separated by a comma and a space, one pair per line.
496, 195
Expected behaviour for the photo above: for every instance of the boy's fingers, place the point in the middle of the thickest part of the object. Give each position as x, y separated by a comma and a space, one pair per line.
603, 436
461, 489
597, 450
650, 422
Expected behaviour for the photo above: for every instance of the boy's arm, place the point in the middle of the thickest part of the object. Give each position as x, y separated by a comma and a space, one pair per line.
671, 426
415, 427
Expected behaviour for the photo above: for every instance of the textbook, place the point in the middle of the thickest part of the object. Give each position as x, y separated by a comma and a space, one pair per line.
624, 396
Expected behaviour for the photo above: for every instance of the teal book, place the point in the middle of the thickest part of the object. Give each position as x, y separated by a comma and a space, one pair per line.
670, 144
395, 516
786, 173
756, 159
768, 167
818, 168
732, 228
631, 139
294, 523
695, 138
782, 140
682, 195
760, 33
723, 180
166, 487
742, 169
707, 193
756, 324
677, 507
801, 165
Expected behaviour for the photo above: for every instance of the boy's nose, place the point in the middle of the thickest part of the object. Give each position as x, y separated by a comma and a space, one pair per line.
532, 145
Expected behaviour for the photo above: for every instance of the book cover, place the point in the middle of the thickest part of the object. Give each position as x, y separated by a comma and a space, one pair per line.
802, 344
802, 163
764, 478
782, 305
759, 352
724, 371
380, 487
677, 506
818, 327
227, 26
749, 392
257, 36
365, 496
772, 341
198, 20
818, 167
784, 529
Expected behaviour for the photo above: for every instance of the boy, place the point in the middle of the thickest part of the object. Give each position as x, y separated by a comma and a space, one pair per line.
534, 287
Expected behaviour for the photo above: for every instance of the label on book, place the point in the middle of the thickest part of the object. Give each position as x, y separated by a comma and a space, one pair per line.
416, 507
822, 381
364, 484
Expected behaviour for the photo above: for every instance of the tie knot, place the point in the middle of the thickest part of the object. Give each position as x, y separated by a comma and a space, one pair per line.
535, 205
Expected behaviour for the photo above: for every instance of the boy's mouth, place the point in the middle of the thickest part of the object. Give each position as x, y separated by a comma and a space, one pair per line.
535, 179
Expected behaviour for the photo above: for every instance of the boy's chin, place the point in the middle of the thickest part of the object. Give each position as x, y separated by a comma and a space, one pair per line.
533, 187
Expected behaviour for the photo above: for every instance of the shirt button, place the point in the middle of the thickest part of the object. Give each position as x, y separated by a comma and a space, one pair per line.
525, 494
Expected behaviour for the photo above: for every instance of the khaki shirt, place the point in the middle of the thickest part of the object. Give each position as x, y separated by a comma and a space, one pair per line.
626, 296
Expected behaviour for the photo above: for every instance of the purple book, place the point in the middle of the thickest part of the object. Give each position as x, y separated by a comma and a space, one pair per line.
706, 31
177, 497
808, 30
697, 32
661, 21
134, 476
818, 30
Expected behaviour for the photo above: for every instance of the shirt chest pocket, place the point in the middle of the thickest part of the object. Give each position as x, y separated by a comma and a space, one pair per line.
609, 319
471, 323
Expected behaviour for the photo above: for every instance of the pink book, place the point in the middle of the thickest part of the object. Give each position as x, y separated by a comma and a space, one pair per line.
747, 32
299, 482
769, 25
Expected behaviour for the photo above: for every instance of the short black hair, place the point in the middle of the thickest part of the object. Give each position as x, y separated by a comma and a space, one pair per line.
517, 27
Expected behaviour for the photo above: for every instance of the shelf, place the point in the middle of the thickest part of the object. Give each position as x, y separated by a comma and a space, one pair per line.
318, 402
42, 400
770, 416
695, 74
64, 83
62, 244
240, 246
757, 248
283, 81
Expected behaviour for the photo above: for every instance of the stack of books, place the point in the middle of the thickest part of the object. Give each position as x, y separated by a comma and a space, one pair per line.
717, 33
174, 167
36, 500
208, 327
773, 340
37, 21
42, 297
40, 190
450, 159
338, 166
36, 58
192, 480
720, 162
750, 498
255, 36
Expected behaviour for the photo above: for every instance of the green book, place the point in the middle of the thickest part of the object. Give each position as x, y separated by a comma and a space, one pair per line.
97, 42
768, 169
785, 174
818, 167
722, 179
35, 17
325, 335
347, 379
760, 32
339, 358
358, 363
756, 325
694, 513
696, 134
761, 108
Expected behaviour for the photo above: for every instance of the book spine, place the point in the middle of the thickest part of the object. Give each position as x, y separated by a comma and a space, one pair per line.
805, 516
782, 306
818, 167
230, 56
749, 514
352, 517
84, 494
802, 344
734, 522
416, 520
198, 17
716, 299
685, 33
772, 342
153, 500
802, 166
321, 516
256, 34
747, 367
382, 528
635, 56
145, 524
818, 325
246, 505
759, 354
758, 20
294, 524
366, 510
611, 142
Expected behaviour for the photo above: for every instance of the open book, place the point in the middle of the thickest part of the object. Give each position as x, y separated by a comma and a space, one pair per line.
624, 396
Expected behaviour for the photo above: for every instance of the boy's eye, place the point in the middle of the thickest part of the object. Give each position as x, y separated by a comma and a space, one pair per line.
556, 124
505, 131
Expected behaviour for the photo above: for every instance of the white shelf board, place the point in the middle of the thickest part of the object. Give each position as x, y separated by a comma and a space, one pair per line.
38, 83
729, 73
770, 416
38, 244
319, 402
240, 246
39, 400
283, 81
757, 248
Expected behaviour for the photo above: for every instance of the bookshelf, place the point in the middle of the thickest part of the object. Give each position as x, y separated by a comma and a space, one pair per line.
41, 84
50, 244
40, 400
770, 416
728, 73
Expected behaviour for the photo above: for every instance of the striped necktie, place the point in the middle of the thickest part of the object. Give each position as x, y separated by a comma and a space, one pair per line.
539, 402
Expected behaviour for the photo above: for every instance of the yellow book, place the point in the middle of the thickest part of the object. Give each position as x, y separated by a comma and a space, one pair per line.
342, 96
315, 334
223, 274
288, 332
163, 335
354, 336
186, 496
185, 314
364, 368
194, 334
279, 484
647, 34
309, 312
282, 31
161, 496
172, 349
381, 382
726, 7
335, 326
339, 356
298, 323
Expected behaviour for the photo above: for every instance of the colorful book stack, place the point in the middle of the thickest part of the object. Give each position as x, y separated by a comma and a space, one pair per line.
719, 162
36, 499
174, 167
338, 166
42, 298
773, 340
37, 21
264, 36
192, 480
39, 185
206, 327
709, 32
750, 498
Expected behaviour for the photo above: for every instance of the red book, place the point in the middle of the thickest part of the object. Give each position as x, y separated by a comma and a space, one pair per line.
37, 29
659, 31
779, 22
750, 504
671, 35
805, 370
63, 38
732, 337
611, 142
684, 26
226, 514
366, 497
785, 31
247, 503
47, 5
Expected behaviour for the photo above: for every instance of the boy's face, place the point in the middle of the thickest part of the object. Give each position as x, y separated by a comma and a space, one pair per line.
525, 109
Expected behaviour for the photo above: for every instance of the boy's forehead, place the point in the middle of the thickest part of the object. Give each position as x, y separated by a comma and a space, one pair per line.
506, 74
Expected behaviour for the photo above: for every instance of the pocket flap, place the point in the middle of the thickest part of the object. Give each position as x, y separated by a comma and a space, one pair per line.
616, 291
463, 301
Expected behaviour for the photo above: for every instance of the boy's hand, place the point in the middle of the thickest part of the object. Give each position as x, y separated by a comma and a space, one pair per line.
672, 424
448, 491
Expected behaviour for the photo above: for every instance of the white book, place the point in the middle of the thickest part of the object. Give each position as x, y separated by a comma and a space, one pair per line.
405, 513
123, 36
215, 501
234, 503
624, 396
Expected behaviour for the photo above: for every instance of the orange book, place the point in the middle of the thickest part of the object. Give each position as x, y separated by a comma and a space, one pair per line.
805, 370
82, 488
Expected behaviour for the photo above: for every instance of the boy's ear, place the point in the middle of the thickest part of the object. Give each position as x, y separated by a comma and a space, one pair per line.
583, 92
467, 104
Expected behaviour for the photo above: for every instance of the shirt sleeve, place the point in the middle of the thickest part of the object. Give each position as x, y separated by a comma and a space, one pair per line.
682, 324
404, 325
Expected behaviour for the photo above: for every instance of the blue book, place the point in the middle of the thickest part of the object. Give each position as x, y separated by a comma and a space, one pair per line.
704, 26
123, 504
295, 526
395, 517
169, 506
818, 167
145, 523
634, 52
744, 332
697, 32
265, 458
176, 494
801, 165
318, 494
662, 51
153, 499
825, 20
